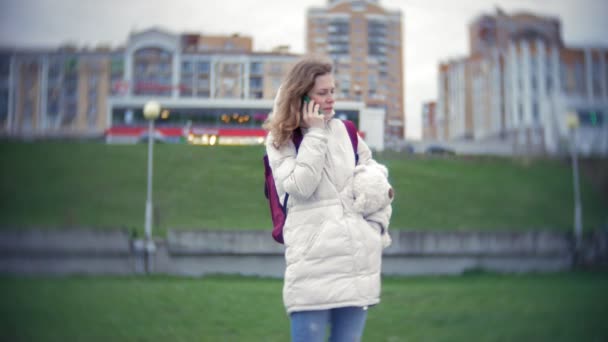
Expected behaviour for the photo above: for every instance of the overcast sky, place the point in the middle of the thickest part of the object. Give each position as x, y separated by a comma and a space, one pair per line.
434, 30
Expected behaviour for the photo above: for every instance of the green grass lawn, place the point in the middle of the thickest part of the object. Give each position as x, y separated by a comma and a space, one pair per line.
479, 307
63, 184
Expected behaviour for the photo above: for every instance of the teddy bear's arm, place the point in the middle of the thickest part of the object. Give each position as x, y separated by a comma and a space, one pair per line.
382, 217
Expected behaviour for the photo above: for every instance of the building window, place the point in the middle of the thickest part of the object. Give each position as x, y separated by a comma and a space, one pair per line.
563, 75
579, 78
520, 113
535, 113
336, 49
596, 76
52, 110
54, 71
117, 85
187, 68
203, 67
344, 82
152, 72
70, 86
203, 82
231, 68
345, 92
5, 65
376, 28
255, 82
593, 118
339, 27
203, 87
70, 65
372, 81
185, 88
256, 94
186, 79
256, 68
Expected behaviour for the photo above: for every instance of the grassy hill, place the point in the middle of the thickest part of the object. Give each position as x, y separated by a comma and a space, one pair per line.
62, 184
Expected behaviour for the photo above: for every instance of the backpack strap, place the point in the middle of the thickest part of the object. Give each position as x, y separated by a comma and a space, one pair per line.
296, 138
354, 138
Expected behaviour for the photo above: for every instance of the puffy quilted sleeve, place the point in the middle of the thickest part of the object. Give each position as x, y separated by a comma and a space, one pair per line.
299, 174
365, 154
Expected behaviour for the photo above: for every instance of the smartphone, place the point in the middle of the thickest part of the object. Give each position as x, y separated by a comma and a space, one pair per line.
306, 99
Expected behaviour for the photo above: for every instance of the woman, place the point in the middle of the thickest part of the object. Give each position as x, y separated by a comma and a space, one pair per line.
332, 254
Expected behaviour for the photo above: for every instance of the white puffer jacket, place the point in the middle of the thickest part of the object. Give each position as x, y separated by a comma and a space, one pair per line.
333, 255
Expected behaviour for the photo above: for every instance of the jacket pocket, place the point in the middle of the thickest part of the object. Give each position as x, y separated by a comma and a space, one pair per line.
308, 226
368, 243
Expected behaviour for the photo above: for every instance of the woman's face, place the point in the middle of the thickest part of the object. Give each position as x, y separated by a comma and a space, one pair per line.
322, 92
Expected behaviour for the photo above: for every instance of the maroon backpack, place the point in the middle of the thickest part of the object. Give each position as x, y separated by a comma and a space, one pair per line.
278, 210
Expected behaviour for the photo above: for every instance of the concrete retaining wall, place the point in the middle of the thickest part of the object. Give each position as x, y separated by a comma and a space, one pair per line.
70, 251
195, 253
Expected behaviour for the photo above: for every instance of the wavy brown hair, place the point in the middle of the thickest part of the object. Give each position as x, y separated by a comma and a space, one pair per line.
288, 103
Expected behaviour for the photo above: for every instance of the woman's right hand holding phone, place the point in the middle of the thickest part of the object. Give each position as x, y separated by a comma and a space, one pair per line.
311, 115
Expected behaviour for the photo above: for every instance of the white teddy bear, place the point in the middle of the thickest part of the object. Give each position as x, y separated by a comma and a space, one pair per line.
370, 191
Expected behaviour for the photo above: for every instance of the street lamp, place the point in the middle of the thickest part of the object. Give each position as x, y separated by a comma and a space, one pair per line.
151, 112
573, 123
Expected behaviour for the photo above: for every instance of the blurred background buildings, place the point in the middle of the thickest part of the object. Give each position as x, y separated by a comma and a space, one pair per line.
365, 42
213, 89
514, 90
210, 86
92, 92
518, 86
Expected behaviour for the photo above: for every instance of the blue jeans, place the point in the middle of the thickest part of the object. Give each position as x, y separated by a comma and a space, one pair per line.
346, 324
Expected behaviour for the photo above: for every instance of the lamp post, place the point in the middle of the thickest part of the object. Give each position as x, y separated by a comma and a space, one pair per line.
151, 112
573, 124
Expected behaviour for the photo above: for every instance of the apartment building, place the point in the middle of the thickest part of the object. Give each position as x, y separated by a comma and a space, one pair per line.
365, 42
520, 83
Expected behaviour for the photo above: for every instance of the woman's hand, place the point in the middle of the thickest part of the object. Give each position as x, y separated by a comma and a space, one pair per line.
311, 115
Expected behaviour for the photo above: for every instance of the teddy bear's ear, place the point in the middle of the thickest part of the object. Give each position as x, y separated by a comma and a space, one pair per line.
382, 169
360, 168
